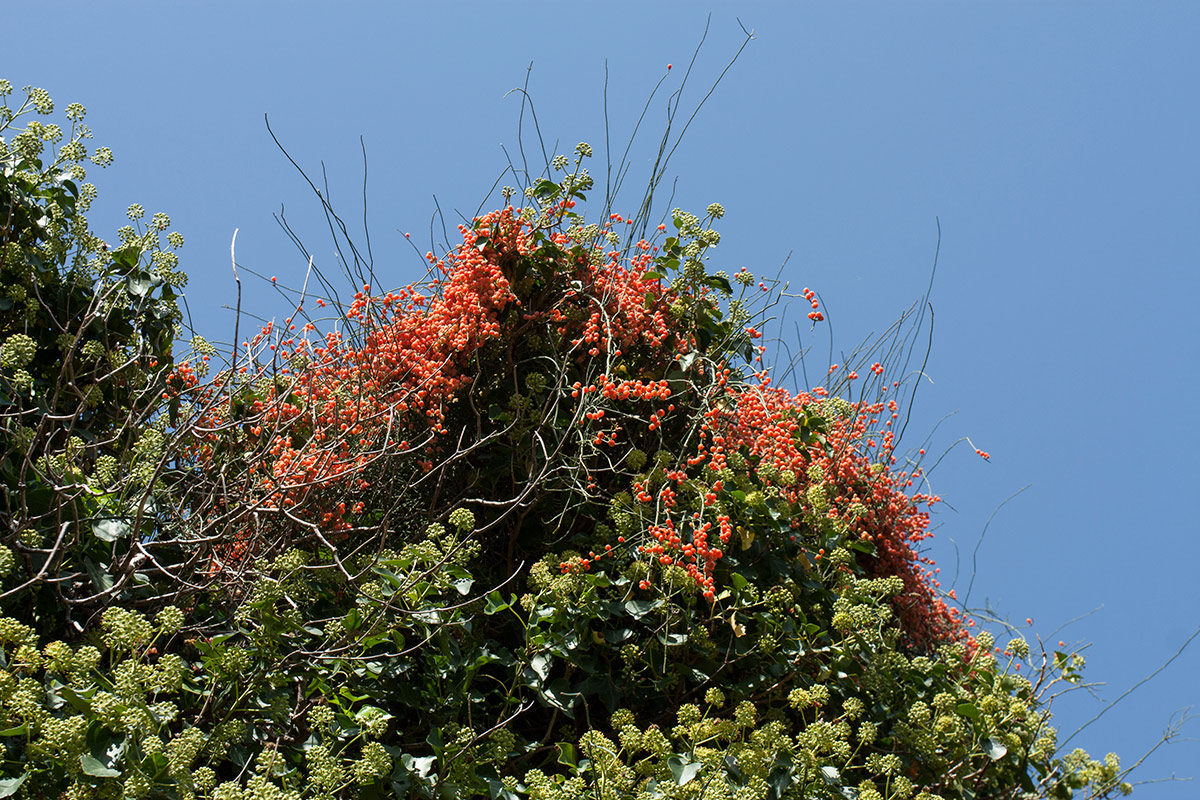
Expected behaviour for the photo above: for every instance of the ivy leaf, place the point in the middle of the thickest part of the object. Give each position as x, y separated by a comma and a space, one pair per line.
780, 777
556, 696
994, 749
967, 710
9, 786
718, 282
618, 636
541, 664
421, 766
126, 259
545, 188
109, 530
567, 755
94, 767
139, 284
640, 608
672, 639
495, 604
683, 772
100, 578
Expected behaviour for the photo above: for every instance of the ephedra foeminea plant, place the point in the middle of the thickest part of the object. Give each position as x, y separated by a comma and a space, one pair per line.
748, 538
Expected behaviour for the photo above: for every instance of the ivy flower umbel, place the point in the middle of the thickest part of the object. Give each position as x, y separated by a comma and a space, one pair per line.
1019, 647
169, 620
40, 98
17, 351
373, 764
126, 630
463, 519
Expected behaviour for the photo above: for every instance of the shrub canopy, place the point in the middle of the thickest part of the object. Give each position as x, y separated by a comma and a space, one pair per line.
538, 526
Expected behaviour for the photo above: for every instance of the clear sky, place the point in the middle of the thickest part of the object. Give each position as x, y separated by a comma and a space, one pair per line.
1055, 141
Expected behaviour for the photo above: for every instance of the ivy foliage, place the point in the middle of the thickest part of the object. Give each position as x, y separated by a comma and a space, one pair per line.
86, 338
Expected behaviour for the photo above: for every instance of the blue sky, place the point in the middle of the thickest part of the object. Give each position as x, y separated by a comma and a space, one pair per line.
1054, 141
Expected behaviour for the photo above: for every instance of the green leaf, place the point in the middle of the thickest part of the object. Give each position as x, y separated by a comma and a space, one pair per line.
351, 696
139, 284
779, 780
94, 767
99, 576
640, 608
718, 282
683, 772
156, 766
545, 188
967, 710
618, 636
495, 604
557, 696
388, 575
541, 664
598, 579
421, 766
9, 786
862, 546
994, 749
126, 258
567, 755
109, 530
653, 276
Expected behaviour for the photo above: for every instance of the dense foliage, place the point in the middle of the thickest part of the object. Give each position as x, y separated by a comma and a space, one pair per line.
540, 526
